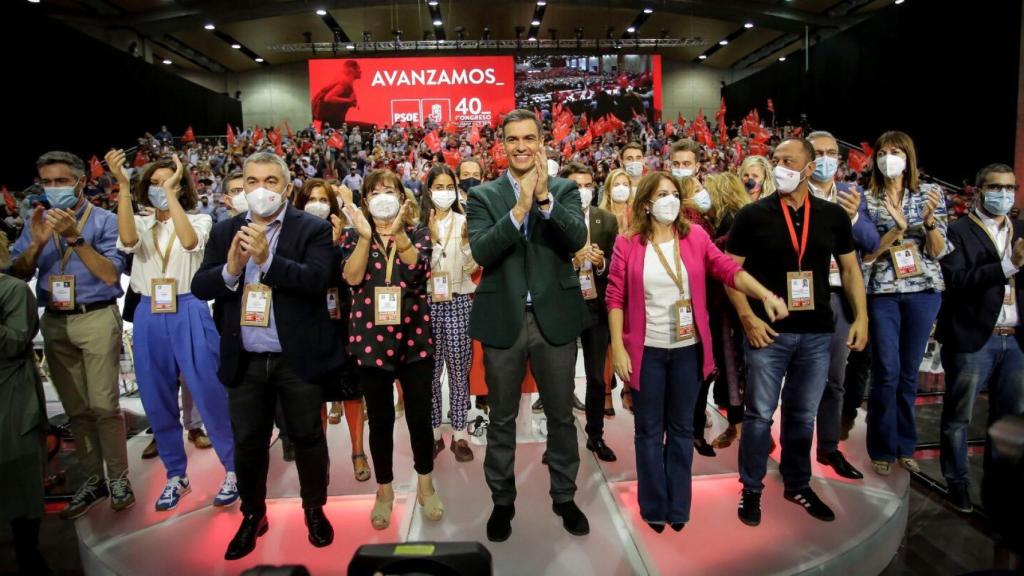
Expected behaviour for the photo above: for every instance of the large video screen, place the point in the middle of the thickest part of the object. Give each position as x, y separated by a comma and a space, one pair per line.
368, 91
622, 84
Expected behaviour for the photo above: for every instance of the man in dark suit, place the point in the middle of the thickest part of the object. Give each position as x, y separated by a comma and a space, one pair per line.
268, 271
523, 229
592, 263
979, 322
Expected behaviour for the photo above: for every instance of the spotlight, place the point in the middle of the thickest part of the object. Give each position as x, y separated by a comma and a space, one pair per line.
898, 2
166, 61
631, 29
723, 42
782, 58
236, 46
321, 12
350, 46
531, 39
259, 60
33, 1
541, 3
748, 25
437, 22
648, 10
432, 3
209, 26
702, 57
535, 22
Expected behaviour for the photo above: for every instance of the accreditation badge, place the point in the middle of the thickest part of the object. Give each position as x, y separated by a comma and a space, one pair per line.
387, 302
587, 285
62, 292
682, 321
440, 287
256, 302
799, 291
332, 304
163, 296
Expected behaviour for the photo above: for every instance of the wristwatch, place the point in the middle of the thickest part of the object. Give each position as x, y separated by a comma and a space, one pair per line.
928, 227
545, 201
80, 241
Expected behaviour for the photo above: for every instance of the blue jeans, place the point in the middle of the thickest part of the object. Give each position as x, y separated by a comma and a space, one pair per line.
670, 381
803, 360
899, 326
1000, 364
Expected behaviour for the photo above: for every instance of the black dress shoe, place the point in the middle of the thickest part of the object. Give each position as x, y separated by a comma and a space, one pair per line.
321, 533
842, 467
288, 450
573, 520
244, 541
659, 528
499, 525
601, 450
678, 526
544, 458
577, 405
704, 449
960, 498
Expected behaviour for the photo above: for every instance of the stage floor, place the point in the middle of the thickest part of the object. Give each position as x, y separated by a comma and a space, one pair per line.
871, 515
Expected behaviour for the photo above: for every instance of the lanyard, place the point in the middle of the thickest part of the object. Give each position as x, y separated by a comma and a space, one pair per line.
165, 256
800, 248
69, 251
1009, 234
677, 277
451, 229
390, 255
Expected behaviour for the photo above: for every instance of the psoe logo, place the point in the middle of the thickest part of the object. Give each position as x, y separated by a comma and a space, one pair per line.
405, 111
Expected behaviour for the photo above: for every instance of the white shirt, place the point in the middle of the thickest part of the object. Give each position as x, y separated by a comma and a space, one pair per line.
1008, 316
660, 294
456, 259
182, 264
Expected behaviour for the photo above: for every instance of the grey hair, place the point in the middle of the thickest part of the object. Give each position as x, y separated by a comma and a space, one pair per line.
820, 134
269, 158
60, 157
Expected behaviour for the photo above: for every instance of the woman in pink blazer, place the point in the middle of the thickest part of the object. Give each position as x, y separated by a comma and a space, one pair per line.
658, 316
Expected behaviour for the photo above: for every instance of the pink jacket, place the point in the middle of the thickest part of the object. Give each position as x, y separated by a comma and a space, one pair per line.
626, 290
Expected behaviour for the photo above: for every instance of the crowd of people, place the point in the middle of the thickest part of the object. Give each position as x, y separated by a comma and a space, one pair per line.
341, 261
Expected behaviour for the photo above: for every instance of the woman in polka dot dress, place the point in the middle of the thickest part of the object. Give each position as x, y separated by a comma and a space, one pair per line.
387, 262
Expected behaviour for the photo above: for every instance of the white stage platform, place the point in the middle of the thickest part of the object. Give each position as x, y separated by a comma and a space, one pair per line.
871, 516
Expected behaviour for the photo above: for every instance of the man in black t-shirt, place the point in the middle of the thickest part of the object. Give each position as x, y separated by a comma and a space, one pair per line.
786, 242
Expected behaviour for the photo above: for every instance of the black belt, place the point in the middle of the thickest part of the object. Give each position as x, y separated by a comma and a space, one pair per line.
264, 354
83, 308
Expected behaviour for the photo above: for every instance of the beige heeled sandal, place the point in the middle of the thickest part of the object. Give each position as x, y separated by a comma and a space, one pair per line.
380, 516
433, 508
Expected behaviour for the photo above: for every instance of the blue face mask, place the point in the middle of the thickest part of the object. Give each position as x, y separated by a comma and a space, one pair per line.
158, 197
825, 168
61, 197
998, 202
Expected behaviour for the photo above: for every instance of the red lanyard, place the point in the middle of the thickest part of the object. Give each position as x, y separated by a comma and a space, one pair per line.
802, 247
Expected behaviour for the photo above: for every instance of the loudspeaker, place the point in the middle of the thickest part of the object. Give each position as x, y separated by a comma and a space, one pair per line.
422, 559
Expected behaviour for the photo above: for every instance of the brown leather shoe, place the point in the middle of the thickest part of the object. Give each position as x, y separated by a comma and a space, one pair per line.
462, 451
198, 437
150, 451
438, 447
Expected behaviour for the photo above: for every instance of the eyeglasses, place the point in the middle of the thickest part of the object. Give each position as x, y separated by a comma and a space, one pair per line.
995, 187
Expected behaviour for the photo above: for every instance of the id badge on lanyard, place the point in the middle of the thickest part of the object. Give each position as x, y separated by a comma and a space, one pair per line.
440, 288
332, 304
683, 326
62, 286
256, 302
799, 284
387, 299
587, 285
906, 261
163, 292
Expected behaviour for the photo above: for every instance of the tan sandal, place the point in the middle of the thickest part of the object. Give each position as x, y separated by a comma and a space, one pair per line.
380, 516
334, 417
433, 508
362, 473
882, 468
910, 465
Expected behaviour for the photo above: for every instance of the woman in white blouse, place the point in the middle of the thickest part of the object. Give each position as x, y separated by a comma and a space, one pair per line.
174, 333
450, 288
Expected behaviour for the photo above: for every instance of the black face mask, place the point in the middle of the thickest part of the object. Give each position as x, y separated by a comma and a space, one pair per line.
468, 183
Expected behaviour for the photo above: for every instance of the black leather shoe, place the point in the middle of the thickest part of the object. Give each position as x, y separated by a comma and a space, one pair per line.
659, 528
544, 458
842, 467
288, 451
244, 541
573, 520
499, 525
601, 450
321, 533
750, 508
678, 526
960, 498
577, 405
704, 449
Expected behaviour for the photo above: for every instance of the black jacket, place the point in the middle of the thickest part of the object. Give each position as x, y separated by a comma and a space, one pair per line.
974, 287
299, 276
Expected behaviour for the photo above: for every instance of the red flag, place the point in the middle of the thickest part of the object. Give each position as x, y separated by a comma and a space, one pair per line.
12, 204
452, 158
141, 159
433, 141
474, 135
496, 120
274, 136
289, 129
761, 135
231, 135
336, 141
771, 106
412, 156
669, 129
278, 149
720, 115
857, 161
585, 141
95, 168
498, 153
188, 136
452, 127
868, 150
584, 123
707, 139
739, 152
566, 151
257, 134
798, 132
680, 120
560, 132
758, 148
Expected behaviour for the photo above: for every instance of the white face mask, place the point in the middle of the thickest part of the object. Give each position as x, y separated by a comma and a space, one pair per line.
682, 172
620, 193
552, 167
634, 169
263, 202
586, 197
239, 203
703, 201
384, 206
786, 180
892, 165
318, 209
666, 209
443, 199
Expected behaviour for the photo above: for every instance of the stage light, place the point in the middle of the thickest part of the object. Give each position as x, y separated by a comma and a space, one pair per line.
166, 61
321, 12
782, 58
209, 26
648, 10
702, 57
236, 46
259, 60
437, 22
898, 2
541, 3
432, 3
748, 25
33, 1
631, 29
350, 46
723, 42
535, 22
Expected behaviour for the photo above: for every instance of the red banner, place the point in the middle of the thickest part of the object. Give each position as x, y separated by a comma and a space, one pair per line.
385, 91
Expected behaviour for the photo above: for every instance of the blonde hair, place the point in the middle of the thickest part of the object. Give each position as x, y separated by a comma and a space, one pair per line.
768, 184
606, 198
728, 195
5, 254
688, 186
640, 219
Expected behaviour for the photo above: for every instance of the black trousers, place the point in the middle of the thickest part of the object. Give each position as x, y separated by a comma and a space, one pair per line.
378, 390
268, 379
594, 341
858, 370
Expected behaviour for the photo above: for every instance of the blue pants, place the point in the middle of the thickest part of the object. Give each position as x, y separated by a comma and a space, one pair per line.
830, 411
899, 325
185, 343
803, 360
670, 381
1000, 365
